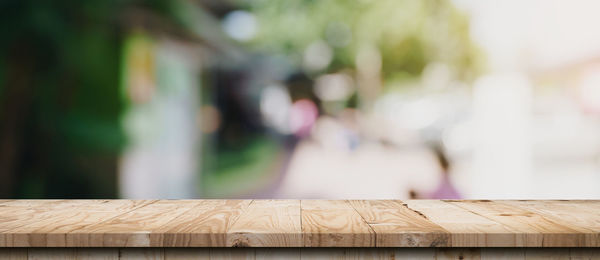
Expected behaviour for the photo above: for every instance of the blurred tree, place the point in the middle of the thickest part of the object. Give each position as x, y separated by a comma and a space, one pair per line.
60, 131
60, 104
408, 34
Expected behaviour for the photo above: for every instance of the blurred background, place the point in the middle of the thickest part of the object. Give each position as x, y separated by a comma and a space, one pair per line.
339, 99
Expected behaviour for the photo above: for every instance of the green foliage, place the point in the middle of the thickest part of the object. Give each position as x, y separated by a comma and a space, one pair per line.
241, 170
65, 55
409, 34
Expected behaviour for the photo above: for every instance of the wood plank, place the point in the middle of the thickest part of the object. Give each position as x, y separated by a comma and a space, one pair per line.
397, 225
327, 223
51, 254
17, 213
370, 253
489, 253
187, 253
547, 253
14, 217
578, 215
13, 253
203, 225
584, 253
131, 229
467, 228
330, 253
320, 253
458, 253
32, 203
97, 254
268, 223
277, 253
51, 223
142, 253
418, 253
312, 253
538, 231
292, 223
232, 253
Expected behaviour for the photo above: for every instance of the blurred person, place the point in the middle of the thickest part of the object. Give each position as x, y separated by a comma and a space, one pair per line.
306, 106
303, 116
445, 188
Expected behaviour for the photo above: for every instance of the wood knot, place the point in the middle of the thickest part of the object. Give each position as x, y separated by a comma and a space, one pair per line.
336, 237
240, 243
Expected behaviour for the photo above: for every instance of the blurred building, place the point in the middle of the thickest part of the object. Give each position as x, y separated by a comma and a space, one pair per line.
165, 67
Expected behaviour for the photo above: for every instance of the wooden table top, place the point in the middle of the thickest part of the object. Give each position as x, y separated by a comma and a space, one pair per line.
298, 223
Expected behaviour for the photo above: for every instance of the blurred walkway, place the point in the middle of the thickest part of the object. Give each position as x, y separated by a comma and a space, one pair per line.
371, 171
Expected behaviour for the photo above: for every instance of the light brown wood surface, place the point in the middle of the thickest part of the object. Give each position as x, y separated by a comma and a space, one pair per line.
268, 223
295, 223
538, 230
299, 253
397, 225
205, 225
334, 223
467, 229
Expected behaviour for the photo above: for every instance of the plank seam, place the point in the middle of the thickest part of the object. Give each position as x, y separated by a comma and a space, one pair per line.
526, 210
98, 223
543, 215
302, 226
421, 214
501, 224
425, 217
363, 218
93, 224
226, 233
162, 236
415, 211
239, 215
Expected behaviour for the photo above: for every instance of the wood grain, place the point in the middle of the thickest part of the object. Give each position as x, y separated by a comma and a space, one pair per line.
268, 223
467, 229
294, 223
397, 225
142, 253
51, 224
458, 253
334, 223
582, 217
233, 253
302, 253
416, 253
13, 253
537, 230
278, 253
205, 225
97, 253
187, 253
133, 228
495, 253
584, 253
14, 214
51, 254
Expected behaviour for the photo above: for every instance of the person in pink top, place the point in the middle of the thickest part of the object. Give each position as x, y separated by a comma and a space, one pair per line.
445, 188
